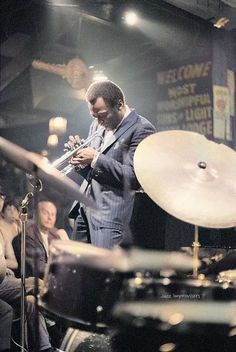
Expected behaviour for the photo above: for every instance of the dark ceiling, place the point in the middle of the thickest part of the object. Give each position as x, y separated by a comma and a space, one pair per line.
209, 10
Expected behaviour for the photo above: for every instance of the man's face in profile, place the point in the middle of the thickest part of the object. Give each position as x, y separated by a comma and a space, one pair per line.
107, 116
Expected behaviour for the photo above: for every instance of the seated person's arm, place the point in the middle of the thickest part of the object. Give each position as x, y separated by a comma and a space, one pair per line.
10, 257
62, 234
2, 263
59, 234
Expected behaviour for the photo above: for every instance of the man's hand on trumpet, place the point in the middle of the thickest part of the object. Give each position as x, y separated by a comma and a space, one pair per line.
84, 156
73, 142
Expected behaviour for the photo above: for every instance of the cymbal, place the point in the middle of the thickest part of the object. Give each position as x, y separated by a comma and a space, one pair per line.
39, 166
138, 259
190, 177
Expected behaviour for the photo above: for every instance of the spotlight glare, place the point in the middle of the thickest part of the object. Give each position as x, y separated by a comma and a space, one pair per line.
130, 18
99, 76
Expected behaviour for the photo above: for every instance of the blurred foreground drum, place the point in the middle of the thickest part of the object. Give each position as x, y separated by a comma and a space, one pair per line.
174, 326
84, 341
81, 294
83, 282
175, 289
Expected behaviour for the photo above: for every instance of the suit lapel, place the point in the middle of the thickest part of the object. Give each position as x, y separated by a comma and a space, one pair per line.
97, 141
38, 234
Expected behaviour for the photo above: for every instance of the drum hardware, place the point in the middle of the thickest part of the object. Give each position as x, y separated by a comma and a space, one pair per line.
216, 258
225, 264
167, 273
196, 245
212, 259
227, 277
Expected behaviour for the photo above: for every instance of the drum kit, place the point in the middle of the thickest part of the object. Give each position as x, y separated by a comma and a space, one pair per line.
148, 300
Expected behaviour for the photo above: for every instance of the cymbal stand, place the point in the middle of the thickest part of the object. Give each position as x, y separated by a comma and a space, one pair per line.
23, 221
196, 244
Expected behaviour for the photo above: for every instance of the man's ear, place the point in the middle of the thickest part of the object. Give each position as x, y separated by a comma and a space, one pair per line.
120, 105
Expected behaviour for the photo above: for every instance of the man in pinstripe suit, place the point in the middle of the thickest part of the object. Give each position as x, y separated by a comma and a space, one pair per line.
108, 166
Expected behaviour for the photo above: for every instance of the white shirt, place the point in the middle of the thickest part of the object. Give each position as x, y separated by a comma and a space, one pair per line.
108, 134
45, 241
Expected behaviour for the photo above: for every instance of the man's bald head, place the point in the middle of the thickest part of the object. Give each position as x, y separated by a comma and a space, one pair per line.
46, 215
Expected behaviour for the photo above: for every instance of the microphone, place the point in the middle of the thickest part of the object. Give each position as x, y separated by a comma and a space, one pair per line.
27, 199
35, 182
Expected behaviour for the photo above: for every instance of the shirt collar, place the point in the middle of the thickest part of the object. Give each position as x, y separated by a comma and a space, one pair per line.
127, 112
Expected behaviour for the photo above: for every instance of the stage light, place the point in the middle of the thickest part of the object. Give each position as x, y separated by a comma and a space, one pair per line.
130, 18
52, 140
57, 125
62, 3
167, 347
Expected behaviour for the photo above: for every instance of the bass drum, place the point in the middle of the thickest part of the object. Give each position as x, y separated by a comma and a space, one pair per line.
83, 341
81, 294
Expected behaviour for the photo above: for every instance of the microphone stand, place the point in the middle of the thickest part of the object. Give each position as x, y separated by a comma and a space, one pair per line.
23, 222
36, 183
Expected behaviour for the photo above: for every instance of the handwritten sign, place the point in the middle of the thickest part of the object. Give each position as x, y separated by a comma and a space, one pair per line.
184, 99
221, 113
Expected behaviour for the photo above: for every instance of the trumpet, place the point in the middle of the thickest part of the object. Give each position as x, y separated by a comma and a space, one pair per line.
62, 163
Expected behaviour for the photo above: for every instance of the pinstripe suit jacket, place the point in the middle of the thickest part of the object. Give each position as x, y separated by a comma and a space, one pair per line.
112, 182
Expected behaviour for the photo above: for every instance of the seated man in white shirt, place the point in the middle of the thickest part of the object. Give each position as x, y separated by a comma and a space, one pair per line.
40, 233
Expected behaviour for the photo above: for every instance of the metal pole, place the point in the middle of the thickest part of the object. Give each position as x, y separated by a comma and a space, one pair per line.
23, 218
196, 245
